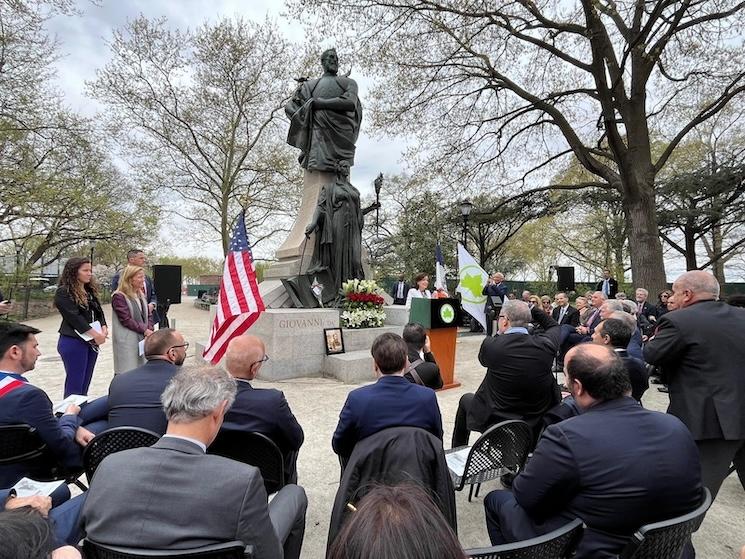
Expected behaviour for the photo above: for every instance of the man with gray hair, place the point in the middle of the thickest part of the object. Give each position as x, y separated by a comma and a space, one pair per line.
701, 352
518, 382
174, 496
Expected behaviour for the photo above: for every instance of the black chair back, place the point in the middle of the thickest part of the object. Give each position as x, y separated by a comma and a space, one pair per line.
666, 539
114, 440
504, 446
229, 550
254, 449
559, 544
19, 443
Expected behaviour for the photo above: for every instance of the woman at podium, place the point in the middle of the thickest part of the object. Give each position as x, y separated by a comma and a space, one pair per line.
421, 282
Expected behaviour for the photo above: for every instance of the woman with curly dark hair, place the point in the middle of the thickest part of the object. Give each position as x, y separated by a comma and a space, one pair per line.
77, 301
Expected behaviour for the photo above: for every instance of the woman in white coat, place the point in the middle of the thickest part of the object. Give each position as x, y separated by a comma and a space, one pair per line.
421, 281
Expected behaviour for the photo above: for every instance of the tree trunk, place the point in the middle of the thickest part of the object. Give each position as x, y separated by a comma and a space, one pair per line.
645, 249
716, 248
690, 246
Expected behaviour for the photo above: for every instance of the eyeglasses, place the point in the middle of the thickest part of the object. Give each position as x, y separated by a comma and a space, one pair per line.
262, 360
502, 316
185, 345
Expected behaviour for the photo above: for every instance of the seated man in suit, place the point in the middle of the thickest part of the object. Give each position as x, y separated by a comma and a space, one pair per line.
518, 382
21, 402
263, 410
421, 361
616, 466
134, 396
392, 401
174, 496
616, 334
563, 312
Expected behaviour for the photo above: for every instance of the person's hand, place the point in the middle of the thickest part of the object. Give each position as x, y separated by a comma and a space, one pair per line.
427, 347
72, 409
66, 552
99, 338
151, 307
5, 307
83, 436
41, 503
105, 331
312, 227
147, 332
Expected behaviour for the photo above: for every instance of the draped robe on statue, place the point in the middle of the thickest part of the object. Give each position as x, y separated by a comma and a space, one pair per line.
324, 136
338, 244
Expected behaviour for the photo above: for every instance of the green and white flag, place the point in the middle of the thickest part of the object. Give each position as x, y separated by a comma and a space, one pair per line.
471, 281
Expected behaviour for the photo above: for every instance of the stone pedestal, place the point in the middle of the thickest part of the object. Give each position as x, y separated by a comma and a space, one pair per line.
288, 255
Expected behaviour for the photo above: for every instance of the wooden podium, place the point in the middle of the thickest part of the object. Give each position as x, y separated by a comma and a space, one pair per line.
440, 317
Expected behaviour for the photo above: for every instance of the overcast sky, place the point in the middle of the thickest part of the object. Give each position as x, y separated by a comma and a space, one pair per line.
83, 43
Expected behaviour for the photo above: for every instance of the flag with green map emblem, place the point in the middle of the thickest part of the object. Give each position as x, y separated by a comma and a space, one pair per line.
471, 281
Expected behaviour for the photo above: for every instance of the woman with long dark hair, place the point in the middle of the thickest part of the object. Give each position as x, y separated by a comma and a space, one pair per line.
419, 291
76, 300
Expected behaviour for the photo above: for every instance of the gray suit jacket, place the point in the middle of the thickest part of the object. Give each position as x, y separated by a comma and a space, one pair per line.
173, 496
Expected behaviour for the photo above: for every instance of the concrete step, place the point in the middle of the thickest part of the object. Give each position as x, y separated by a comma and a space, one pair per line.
352, 367
397, 315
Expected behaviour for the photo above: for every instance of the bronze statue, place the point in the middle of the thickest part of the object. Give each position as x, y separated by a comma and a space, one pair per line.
325, 116
338, 222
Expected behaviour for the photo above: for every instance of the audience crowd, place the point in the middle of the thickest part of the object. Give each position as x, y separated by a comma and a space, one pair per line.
597, 454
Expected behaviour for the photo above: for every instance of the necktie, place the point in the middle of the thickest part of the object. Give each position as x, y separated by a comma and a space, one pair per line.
561, 314
606, 288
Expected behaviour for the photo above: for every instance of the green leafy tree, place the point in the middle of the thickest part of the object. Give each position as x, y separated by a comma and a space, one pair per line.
200, 116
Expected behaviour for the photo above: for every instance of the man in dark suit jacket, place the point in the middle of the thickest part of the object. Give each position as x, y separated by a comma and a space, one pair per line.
421, 359
518, 382
700, 349
616, 333
262, 410
607, 286
21, 402
392, 401
174, 496
563, 312
616, 466
400, 290
136, 257
134, 396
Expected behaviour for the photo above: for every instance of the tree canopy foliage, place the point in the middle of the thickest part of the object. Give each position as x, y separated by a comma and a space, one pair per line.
516, 89
200, 116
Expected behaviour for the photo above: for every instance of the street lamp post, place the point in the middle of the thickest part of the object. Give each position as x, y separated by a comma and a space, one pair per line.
93, 248
465, 210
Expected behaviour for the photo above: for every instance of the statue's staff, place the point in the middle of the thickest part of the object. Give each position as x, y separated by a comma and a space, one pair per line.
378, 185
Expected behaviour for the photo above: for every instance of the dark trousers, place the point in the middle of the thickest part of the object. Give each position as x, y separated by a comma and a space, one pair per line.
508, 522
94, 415
716, 457
65, 520
287, 514
79, 358
460, 430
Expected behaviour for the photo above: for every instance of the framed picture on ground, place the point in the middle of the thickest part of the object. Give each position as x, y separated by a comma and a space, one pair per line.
334, 341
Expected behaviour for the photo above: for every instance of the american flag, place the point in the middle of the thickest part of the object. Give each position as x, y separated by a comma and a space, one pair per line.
239, 303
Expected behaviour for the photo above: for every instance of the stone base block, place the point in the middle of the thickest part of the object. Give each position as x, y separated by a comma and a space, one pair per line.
396, 314
361, 339
353, 367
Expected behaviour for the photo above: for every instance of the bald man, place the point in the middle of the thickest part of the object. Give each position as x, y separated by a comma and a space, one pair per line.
645, 472
263, 410
700, 349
